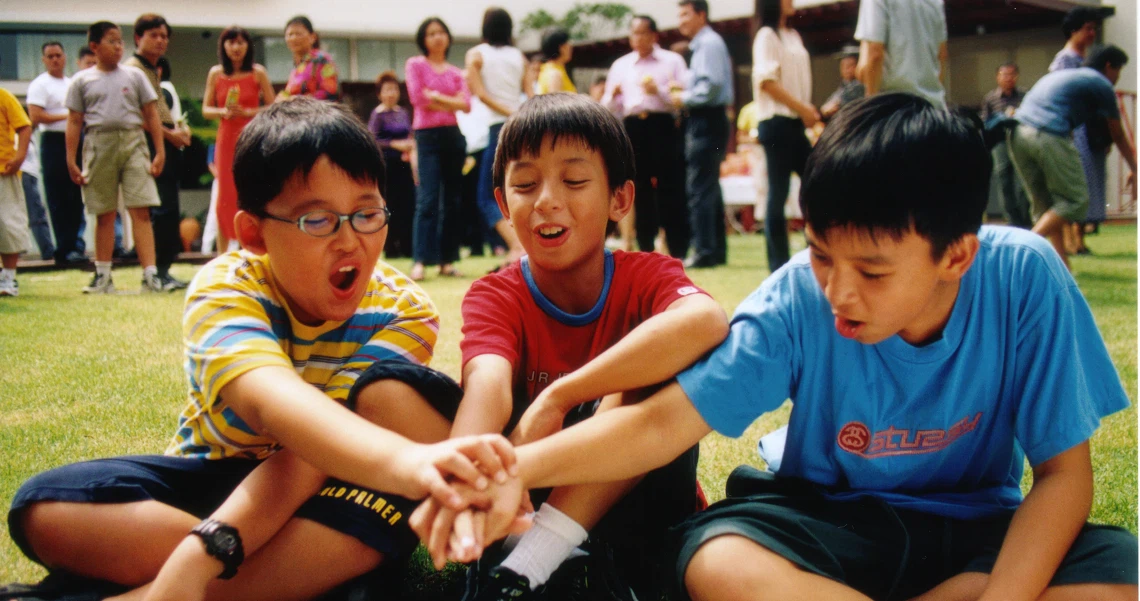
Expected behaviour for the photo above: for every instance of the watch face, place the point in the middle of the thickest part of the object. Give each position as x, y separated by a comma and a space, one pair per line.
225, 541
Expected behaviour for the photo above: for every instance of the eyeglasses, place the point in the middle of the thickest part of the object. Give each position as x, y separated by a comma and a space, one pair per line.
323, 223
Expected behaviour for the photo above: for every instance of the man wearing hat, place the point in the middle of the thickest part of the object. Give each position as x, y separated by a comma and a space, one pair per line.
849, 89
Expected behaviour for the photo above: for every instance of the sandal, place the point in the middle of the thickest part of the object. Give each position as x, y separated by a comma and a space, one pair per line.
417, 273
449, 272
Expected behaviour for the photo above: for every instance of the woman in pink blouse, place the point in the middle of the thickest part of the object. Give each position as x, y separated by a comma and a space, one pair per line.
315, 72
437, 90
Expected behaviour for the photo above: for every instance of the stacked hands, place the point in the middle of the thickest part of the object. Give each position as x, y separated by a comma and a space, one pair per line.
466, 513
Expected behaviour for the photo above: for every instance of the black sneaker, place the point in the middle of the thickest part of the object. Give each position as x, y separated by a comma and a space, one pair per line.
591, 577
500, 584
171, 283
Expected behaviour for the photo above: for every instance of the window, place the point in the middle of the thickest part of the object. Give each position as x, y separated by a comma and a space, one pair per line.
21, 52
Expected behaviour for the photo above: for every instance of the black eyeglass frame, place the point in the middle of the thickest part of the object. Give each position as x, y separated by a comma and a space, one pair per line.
340, 219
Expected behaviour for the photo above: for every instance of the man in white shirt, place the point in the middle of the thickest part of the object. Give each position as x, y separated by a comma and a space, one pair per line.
46, 95
637, 89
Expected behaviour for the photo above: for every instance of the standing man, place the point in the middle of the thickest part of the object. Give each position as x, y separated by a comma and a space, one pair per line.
706, 98
999, 103
637, 88
15, 133
850, 88
46, 105
902, 47
152, 34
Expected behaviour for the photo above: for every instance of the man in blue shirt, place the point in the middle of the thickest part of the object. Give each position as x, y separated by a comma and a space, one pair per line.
1042, 147
705, 99
926, 357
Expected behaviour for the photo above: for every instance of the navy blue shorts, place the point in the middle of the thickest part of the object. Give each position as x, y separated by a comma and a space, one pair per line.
882, 551
198, 486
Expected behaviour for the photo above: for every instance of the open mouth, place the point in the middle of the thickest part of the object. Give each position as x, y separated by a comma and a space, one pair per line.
344, 278
550, 232
848, 328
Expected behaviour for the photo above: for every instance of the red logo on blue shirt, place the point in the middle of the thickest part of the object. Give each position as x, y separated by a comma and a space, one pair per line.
857, 439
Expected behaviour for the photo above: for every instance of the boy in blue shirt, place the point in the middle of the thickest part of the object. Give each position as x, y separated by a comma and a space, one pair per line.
927, 357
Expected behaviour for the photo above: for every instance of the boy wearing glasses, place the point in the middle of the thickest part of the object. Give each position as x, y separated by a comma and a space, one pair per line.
285, 340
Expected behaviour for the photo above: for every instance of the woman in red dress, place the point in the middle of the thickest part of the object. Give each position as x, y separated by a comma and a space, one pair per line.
236, 89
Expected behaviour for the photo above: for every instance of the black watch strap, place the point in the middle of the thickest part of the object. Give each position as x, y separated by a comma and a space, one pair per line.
222, 543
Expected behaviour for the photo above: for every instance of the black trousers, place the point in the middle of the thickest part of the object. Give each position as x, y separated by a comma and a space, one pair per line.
656, 150
786, 149
64, 198
400, 196
165, 217
706, 143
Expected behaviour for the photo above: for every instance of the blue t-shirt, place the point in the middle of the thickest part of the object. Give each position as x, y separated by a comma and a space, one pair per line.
1065, 99
939, 428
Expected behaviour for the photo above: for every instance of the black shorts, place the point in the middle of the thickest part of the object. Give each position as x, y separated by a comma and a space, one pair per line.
198, 486
884, 552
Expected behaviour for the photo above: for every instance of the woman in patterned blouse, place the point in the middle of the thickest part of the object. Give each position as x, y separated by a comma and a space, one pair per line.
315, 72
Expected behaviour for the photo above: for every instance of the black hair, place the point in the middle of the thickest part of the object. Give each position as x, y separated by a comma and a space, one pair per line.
287, 139
768, 14
1009, 65
421, 34
893, 162
232, 33
1077, 17
301, 20
85, 51
497, 26
552, 42
51, 43
97, 30
699, 6
648, 21
562, 116
149, 21
1102, 56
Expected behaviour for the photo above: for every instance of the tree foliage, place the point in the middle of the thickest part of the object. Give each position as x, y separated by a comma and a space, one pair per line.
581, 20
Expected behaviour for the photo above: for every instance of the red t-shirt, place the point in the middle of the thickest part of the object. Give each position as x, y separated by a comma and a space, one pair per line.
505, 314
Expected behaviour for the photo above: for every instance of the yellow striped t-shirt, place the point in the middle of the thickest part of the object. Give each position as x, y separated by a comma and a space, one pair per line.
236, 321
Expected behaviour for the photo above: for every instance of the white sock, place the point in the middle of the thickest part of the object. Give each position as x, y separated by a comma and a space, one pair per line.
150, 271
550, 541
103, 267
7, 275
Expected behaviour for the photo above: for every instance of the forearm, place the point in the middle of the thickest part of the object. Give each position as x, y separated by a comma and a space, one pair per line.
1123, 143
636, 361
71, 136
493, 104
276, 403
486, 405
870, 67
453, 103
781, 94
1030, 554
154, 126
24, 136
615, 445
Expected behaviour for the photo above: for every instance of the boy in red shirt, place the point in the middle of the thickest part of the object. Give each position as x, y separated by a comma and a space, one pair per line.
571, 329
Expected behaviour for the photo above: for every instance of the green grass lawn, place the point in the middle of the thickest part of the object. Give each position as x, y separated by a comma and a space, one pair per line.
93, 377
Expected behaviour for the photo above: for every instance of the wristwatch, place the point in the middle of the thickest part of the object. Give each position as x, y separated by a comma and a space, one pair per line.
222, 543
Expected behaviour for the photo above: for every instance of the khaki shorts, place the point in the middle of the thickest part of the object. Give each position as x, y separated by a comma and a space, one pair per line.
114, 162
1050, 169
13, 216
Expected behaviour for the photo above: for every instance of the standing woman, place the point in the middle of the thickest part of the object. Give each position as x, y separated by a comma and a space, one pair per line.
557, 50
497, 74
437, 91
236, 89
314, 72
392, 127
781, 80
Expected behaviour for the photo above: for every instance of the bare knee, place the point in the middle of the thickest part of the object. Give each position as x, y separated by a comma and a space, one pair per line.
1091, 592
733, 567
396, 406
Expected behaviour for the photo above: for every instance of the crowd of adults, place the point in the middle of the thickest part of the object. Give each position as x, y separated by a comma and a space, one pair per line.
675, 111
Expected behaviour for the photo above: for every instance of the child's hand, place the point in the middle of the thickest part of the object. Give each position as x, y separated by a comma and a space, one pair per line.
473, 460
543, 418
448, 534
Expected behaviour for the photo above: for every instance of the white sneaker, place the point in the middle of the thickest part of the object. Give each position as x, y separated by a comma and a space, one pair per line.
100, 284
9, 287
151, 283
